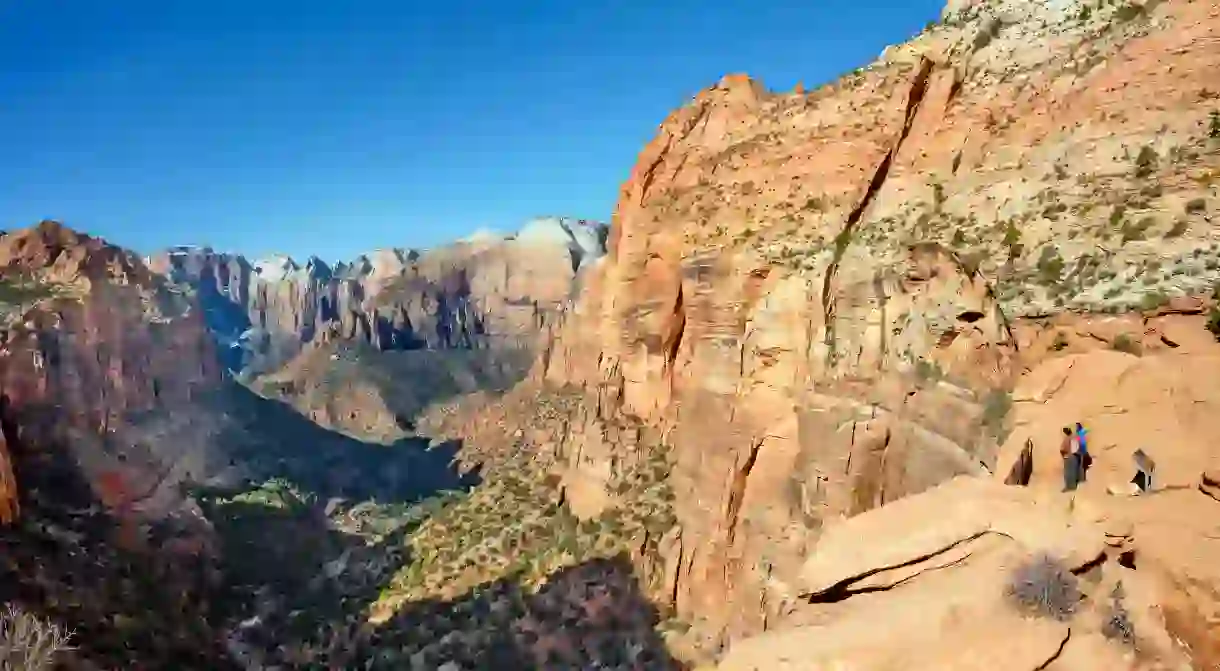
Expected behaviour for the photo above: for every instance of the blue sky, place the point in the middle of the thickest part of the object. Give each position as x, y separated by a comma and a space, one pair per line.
328, 127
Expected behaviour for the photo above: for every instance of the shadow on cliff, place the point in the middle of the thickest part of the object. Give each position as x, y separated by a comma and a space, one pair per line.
264, 438
130, 603
292, 581
412, 381
380, 395
169, 594
593, 615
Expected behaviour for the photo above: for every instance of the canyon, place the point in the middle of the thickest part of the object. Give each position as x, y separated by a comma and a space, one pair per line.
333, 339
799, 407
821, 302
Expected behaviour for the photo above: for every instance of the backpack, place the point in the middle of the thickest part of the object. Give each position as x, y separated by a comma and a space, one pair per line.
1086, 459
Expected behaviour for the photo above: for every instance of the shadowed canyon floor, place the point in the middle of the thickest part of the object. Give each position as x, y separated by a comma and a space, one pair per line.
803, 413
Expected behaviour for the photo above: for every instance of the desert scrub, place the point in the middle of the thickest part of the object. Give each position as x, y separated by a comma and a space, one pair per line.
1154, 300
1050, 265
18, 290
1133, 231
996, 406
1041, 586
1124, 342
1178, 229
1146, 162
1129, 12
1117, 624
1213, 321
928, 371
515, 526
28, 642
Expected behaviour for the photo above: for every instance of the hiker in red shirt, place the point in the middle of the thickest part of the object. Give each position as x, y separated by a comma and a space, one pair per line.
1071, 461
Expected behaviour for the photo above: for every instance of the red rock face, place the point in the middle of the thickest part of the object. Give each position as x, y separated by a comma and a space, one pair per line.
785, 268
103, 342
9, 505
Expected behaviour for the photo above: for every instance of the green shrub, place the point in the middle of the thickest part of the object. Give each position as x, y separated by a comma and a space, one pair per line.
1050, 265
19, 291
1154, 300
1125, 343
1145, 162
996, 406
1213, 321
1129, 12
1012, 236
1178, 230
1135, 231
928, 371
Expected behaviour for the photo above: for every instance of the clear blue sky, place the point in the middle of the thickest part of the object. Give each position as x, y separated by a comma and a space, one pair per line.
332, 127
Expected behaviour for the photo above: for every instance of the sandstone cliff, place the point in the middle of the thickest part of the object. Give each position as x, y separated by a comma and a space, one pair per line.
92, 339
483, 293
820, 303
93, 346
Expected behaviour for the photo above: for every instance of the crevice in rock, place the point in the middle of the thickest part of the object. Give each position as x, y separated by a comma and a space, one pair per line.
737, 491
1090, 565
868, 486
1058, 652
676, 579
673, 338
842, 590
950, 98
915, 96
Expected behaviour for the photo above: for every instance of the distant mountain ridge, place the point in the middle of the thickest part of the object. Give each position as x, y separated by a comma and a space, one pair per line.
487, 290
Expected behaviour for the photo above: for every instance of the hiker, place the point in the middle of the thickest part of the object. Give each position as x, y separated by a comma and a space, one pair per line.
1082, 451
1071, 461
1144, 466
1142, 481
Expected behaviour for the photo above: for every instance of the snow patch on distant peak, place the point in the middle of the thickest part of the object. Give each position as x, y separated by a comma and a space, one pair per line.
586, 239
275, 267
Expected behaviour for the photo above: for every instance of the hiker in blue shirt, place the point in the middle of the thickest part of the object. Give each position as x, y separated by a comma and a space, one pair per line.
1082, 451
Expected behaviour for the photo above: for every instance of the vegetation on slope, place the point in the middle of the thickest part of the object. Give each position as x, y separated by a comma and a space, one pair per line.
515, 526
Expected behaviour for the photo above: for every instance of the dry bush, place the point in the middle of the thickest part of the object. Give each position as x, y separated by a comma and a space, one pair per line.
1042, 586
27, 642
1117, 625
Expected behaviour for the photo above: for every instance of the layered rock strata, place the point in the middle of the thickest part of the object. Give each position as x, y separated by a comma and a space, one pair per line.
485, 292
822, 302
